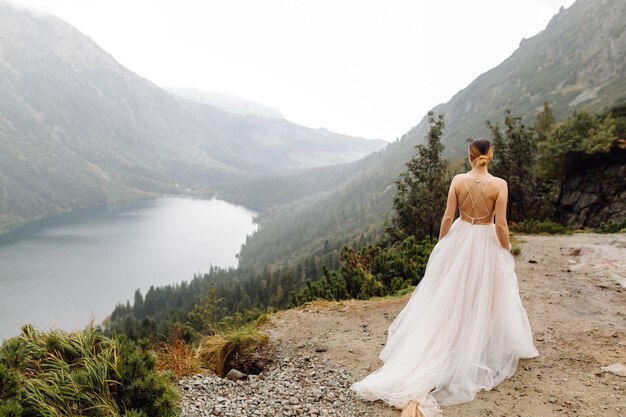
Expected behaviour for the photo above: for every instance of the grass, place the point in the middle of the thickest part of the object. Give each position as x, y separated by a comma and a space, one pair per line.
320, 303
540, 227
81, 373
404, 291
175, 356
240, 348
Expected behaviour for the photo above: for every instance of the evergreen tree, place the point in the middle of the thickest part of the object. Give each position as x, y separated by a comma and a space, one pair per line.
515, 153
422, 189
207, 312
500, 165
545, 121
138, 305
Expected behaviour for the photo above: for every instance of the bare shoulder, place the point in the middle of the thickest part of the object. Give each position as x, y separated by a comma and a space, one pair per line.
500, 183
456, 178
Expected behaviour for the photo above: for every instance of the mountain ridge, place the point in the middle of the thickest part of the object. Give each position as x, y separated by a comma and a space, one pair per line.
228, 102
79, 129
594, 78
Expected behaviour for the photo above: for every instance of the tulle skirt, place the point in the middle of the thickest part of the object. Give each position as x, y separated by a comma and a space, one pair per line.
463, 329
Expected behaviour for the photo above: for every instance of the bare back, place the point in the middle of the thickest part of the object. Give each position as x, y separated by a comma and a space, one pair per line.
476, 197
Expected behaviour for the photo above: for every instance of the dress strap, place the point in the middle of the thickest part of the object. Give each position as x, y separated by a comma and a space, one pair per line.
480, 196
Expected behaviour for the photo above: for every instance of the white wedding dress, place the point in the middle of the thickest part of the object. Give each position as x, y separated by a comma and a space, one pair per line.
463, 329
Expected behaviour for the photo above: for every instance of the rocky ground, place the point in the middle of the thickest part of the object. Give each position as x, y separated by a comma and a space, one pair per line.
573, 288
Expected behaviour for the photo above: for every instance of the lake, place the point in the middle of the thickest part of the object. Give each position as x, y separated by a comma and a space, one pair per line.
60, 275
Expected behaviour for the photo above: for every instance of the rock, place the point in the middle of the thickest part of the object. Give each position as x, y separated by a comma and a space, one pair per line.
592, 194
235, 375
616, 368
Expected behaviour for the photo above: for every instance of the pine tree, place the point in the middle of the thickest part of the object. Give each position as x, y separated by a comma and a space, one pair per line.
422, 189
515, 154
545, 121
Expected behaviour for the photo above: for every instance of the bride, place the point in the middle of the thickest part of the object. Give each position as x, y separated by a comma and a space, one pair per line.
464, 327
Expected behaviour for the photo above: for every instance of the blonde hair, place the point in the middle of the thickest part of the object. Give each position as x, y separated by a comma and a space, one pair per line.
480, 152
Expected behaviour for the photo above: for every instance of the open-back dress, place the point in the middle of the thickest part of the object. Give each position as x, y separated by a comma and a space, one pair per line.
464, 327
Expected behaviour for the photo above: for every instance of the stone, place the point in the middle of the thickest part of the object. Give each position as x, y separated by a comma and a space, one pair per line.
235, 375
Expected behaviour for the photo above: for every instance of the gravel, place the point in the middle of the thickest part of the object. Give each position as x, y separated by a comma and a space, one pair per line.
295, 385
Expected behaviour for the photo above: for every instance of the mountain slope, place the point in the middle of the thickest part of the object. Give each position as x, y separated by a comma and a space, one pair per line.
579, 60
78, 129
583, 63
231, 103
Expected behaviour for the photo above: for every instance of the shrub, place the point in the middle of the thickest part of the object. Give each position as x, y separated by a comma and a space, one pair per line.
81, 374
372, 271
531, 227
611, 226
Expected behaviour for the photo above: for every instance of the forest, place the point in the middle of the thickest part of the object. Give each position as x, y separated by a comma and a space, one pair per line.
389, 256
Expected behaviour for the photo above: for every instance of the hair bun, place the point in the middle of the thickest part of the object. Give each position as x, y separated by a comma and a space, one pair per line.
480, 152
482, 160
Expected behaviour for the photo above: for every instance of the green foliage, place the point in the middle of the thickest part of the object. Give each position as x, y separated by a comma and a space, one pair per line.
10, 395
207, 312
544, 122
539, 227
583, 133
81, 374
372, 271
217, 300
515, 153
611, 226
422, 189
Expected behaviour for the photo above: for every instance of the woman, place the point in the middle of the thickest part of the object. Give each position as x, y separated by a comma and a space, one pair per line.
464, 327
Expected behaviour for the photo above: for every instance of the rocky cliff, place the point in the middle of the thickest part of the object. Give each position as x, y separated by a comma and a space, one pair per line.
596, 191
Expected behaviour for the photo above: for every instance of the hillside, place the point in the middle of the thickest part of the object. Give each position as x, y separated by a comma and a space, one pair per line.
79, 129
570, 288
577, 61
231, 103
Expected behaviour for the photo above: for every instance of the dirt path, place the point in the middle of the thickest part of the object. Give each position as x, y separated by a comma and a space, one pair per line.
574, 290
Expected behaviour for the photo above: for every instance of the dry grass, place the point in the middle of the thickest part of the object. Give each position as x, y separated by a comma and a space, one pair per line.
321, 304
516, 245
243, 348
176, 356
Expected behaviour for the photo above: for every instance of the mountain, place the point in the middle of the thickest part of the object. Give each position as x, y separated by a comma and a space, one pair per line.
229, 102
579, 60
79, 129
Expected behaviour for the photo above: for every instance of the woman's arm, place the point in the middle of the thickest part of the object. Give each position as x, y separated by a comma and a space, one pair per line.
502, 228
448, 215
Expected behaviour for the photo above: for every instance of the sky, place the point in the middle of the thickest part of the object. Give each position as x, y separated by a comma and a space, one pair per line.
360, 67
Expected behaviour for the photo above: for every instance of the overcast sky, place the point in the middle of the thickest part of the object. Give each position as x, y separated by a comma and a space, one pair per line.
360, 67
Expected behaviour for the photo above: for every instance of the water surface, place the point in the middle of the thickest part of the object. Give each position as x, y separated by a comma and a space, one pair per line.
60, 275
